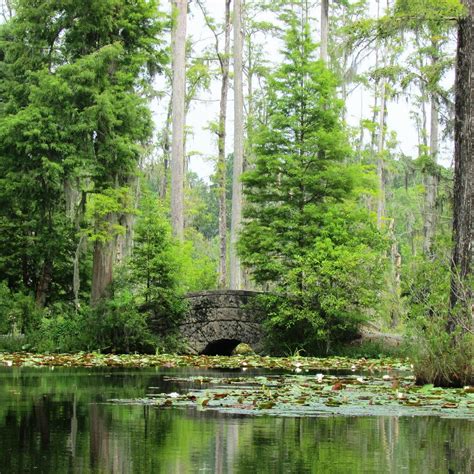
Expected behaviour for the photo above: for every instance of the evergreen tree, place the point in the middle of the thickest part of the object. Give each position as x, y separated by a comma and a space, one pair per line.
73, 121
303, 235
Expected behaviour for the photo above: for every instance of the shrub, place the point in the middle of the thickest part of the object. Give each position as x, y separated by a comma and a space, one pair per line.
440, 357
61, 330
19, 313
116, 325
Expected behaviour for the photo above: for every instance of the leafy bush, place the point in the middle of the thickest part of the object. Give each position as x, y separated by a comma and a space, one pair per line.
440, 357
10, 343
19, 313
327, 289
116, 325
62, 330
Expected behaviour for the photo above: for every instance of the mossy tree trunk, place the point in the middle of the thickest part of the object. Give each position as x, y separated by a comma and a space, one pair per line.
463, 223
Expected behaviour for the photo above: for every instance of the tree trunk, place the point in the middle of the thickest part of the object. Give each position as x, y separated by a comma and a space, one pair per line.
102, 265
431, 183
235, 270
44, 282
324, 29
76, 278
102, 270
463, 222
221, 164
166, 152
380, 157
178, 45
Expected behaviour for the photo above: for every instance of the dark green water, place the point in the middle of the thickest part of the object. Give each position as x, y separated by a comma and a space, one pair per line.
57, 421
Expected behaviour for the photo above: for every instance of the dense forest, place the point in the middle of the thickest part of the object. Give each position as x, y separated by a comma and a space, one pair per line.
340, 138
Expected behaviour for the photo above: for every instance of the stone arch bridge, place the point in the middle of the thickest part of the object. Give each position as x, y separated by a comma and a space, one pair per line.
217, 321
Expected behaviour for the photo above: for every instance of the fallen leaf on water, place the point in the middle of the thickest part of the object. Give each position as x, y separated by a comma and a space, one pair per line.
449, 405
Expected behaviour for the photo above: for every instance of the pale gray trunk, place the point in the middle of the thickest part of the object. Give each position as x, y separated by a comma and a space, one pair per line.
396, 264
431, 183
380, 157
166, 152
235, 269
76, 279
221, 163
324, 29
178, 46
75, 201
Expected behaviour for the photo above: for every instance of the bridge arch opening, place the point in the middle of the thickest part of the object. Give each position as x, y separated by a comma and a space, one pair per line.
222, 347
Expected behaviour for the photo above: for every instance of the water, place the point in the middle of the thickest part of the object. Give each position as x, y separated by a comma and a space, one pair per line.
57, 421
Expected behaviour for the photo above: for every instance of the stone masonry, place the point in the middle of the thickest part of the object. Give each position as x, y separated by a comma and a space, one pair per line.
221, 315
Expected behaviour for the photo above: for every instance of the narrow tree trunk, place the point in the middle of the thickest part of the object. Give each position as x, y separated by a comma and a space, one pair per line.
76, 279
235, 270
166, 152
380, 157
7, 10
221, 163
431, 183
324, 29
178, 44
463, 223
44, 282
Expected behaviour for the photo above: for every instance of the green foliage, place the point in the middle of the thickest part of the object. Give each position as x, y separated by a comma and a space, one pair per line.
430, 9
18, 312
440, 357
198, 259
371, 350
72, 116
102, 205
117, 325
304, 236
61, 329
155, 268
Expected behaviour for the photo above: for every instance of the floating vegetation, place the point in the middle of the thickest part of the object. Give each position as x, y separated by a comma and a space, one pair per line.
300, 364
310, 395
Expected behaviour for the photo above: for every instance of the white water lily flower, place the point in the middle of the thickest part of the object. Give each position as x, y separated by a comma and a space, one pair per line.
173, 395
319, 377
360, 379
297, 370
387, 377
297, 364
9, 363
353, 368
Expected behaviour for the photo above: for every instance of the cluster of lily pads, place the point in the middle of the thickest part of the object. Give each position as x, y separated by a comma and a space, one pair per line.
314, 395
300, 364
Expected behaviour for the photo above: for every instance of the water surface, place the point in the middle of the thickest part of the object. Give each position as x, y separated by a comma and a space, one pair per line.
59, 421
